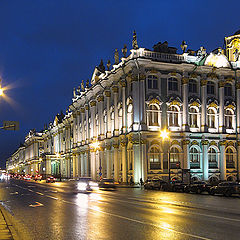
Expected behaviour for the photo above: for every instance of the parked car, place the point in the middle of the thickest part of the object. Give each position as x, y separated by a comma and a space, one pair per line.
38, 177
27, 177
106, 183
154, 183
226, 189
198, 187
51, 180
86, 184
177, 186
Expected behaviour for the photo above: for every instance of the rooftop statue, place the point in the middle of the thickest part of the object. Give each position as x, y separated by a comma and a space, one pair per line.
201, 52
134, 41
101, 67
164, 48
82, 86
236, 54
108, 65
79, 90
88, 84
183, 46
116, 57
74, 93
124, 50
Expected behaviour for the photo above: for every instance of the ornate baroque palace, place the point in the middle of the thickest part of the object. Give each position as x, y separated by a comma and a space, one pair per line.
112, 127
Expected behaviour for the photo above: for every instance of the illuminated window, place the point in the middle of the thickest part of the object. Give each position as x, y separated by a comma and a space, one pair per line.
193, 117
229, 119
210, 88
152, 82
192, 86
229, 158
173, 116
172, 84
194, 158
228, 90
153, 115
211, 115
212, 158
154, 158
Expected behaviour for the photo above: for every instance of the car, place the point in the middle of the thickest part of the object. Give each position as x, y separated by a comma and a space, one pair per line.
106, 183
86, 184
177, 186
226, 188
27, 177
154, 183
51, 180
38, 177
198, 187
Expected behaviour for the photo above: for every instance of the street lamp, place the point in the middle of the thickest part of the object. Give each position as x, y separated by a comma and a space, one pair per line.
164, 134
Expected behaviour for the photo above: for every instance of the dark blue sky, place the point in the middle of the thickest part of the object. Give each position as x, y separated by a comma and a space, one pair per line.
48, 46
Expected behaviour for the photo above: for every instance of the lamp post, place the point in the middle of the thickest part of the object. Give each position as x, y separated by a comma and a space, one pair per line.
164, 134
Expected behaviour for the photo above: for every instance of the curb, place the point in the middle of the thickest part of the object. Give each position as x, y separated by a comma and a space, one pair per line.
16, 229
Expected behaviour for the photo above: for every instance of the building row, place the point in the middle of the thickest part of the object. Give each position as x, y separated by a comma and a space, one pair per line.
112, 127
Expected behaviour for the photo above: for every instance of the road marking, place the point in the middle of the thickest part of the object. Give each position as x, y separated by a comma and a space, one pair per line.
38, 204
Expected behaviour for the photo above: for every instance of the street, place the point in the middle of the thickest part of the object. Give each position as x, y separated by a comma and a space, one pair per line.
55, 211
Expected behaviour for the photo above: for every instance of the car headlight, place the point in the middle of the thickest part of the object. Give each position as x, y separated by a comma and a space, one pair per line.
82, 186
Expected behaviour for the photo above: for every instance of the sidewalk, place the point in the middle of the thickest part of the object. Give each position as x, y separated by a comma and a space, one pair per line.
4, 230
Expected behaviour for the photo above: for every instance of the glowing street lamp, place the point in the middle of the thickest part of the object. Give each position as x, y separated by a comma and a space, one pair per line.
95, 145
1, 91
58, 155
164, 134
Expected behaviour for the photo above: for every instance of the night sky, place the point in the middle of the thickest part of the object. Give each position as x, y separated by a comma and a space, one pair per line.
47, 47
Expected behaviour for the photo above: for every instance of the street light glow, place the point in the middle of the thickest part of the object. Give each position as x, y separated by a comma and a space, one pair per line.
1, 91
164, 134
95, 145
57, 155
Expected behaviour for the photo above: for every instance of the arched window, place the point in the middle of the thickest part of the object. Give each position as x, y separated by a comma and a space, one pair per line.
194, 158
153, 115
211, 116
192, 86
172, 84
154, 158
229, 119
229, 158
129, 116
210, 88
152, 82
174, 158
173, 116
228, 90
193, 117
212, 158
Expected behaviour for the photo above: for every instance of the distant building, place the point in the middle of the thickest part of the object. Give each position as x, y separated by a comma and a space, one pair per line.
112, 128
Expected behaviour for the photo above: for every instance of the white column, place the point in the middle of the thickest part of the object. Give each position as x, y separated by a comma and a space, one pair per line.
100, 99
222, 161
136, 104
124, 161
74, 165
221, 107
115, 100
185, 124
93, 120
124, 111
109, 162
78, 165
108, 96
137, 164
186, 160
87, 123
93, 164
204, 105
116, 162
144, 161
141, 100
205, 159
83, 133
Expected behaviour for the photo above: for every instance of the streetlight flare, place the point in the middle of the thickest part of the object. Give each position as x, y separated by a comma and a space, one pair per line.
95, 145
164, 134
1, 91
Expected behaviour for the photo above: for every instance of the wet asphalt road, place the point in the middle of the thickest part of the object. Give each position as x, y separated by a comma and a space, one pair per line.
54, 211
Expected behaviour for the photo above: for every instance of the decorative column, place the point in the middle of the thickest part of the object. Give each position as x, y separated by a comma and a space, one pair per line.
74, 129
124, 160
93, 164
238, 107
93, 119
124, 112
109, 161
100, 99
137, 164
74, 165
115, 101
221, 107
78, 165
83, 133
144, 159
108, 96
83, 167
186, 160
87, 123
79, 131
136, 103
116, 162
204, 106
142, 104
205, 159
222, 161
185, 125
